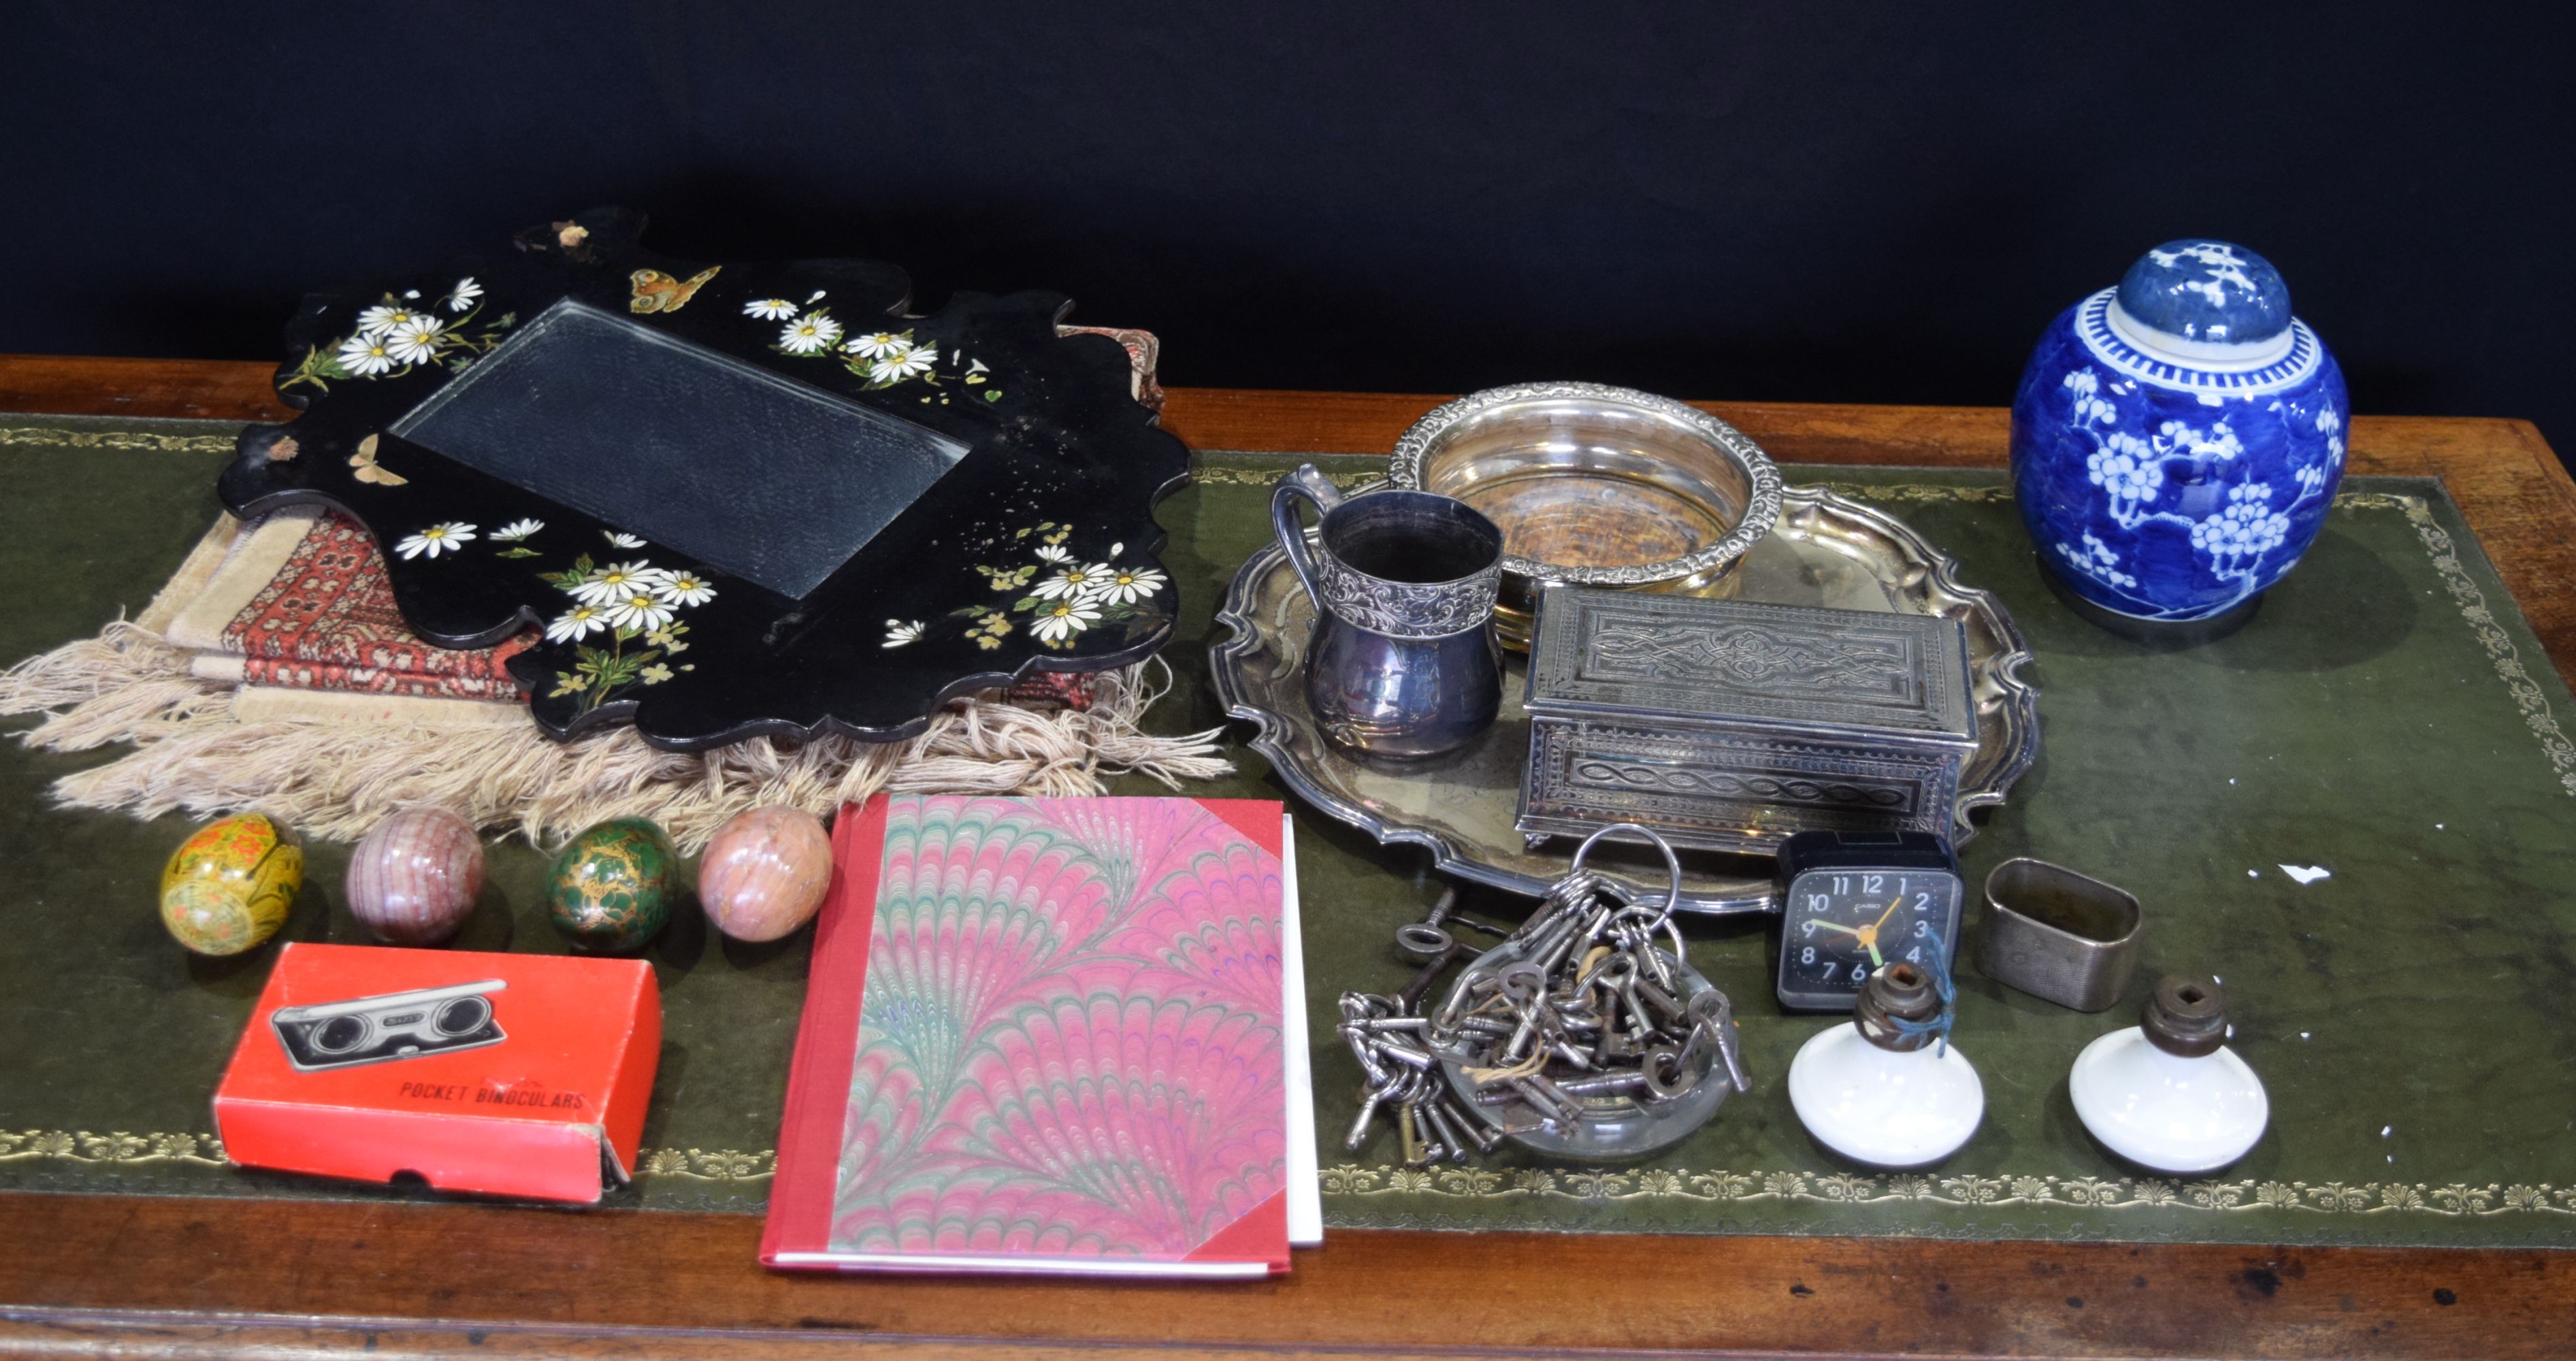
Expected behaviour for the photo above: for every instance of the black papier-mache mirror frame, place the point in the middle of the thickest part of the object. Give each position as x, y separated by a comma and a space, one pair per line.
1034, 551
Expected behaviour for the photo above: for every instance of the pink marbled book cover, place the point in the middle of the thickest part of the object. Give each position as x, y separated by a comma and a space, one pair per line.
1066, 1052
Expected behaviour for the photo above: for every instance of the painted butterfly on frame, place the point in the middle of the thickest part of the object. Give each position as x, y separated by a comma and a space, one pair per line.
656, 291
365, 462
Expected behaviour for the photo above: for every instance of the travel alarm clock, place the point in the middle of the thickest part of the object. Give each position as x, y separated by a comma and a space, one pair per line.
1851, 902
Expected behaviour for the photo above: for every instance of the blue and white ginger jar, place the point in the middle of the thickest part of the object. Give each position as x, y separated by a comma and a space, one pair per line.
2177, 438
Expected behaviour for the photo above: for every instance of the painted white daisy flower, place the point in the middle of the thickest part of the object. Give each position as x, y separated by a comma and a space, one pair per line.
769, 309
416, 340
1127, 585
1075, 582
617, 540
385, 316
639, 609
912, 361
366, 354
811, 333
684, 588
437, 539
1060, 621
878, 345
516, 530
463, 295
619, 580
899, 633
576, 623
1052, 553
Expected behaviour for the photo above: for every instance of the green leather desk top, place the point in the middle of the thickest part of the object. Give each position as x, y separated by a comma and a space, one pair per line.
2386, 715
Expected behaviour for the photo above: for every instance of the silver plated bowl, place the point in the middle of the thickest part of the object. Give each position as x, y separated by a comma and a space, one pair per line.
1596, 485
1824, 550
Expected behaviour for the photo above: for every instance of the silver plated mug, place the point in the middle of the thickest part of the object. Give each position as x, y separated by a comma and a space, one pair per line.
1403, 662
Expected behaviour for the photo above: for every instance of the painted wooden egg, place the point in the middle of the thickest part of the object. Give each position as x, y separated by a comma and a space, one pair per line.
765, 872
414, 877
610, 888
230, 886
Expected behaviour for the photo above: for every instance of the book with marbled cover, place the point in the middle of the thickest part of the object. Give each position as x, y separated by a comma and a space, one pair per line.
1042, 1035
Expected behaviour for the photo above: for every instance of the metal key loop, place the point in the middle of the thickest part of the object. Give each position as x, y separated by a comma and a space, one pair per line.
1577, 1016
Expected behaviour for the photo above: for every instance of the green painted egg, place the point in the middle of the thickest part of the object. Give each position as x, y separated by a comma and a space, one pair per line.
610, 888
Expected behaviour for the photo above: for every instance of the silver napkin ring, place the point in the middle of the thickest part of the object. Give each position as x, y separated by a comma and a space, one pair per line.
2058, 935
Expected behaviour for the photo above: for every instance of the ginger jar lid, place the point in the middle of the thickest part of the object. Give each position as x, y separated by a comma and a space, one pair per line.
2205, 293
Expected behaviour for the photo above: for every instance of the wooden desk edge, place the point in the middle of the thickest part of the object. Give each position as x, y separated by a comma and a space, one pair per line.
187, 1277
144, 1270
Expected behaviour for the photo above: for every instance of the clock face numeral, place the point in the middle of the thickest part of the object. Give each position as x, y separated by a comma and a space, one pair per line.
1840, 926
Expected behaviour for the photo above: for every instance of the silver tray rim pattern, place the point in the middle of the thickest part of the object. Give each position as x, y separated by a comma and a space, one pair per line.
1929, 577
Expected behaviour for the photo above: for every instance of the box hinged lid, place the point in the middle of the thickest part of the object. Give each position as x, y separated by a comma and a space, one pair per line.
1680, 661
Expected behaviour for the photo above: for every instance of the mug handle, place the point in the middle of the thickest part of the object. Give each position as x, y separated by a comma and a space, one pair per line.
1312, 486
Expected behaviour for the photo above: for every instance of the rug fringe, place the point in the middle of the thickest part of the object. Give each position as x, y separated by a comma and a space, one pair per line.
125, 685
331, 781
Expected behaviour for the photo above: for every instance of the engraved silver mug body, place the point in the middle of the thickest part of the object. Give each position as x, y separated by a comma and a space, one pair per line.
1403, 662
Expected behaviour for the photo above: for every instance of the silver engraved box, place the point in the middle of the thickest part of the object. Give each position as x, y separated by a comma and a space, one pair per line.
1729, 724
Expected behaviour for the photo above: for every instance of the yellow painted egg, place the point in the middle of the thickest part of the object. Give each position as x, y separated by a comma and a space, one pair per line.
229, 887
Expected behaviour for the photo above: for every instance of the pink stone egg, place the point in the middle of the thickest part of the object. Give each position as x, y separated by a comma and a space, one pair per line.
414, 877
765, 872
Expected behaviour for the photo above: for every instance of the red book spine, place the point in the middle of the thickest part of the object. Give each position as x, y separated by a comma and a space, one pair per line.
827, 1040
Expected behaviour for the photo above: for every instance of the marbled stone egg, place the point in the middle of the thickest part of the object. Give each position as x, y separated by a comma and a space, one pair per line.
765, 872
413, 878
610, 888
230, 886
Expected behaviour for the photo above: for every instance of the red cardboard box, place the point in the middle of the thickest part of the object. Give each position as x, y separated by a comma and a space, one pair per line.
514, 1075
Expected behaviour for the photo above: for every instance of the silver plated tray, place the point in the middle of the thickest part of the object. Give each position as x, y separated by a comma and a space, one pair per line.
1825, 550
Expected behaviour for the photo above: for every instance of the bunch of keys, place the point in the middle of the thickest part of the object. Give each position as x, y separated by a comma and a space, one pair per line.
1577, 1035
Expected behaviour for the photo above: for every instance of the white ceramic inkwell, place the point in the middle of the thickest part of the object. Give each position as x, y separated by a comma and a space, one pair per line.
2167, 1093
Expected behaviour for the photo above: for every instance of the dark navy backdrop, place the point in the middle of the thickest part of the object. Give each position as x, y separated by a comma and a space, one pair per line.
1784, 200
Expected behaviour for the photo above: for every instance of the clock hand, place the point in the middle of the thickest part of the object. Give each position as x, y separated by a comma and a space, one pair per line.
1897, 902
1813, 925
